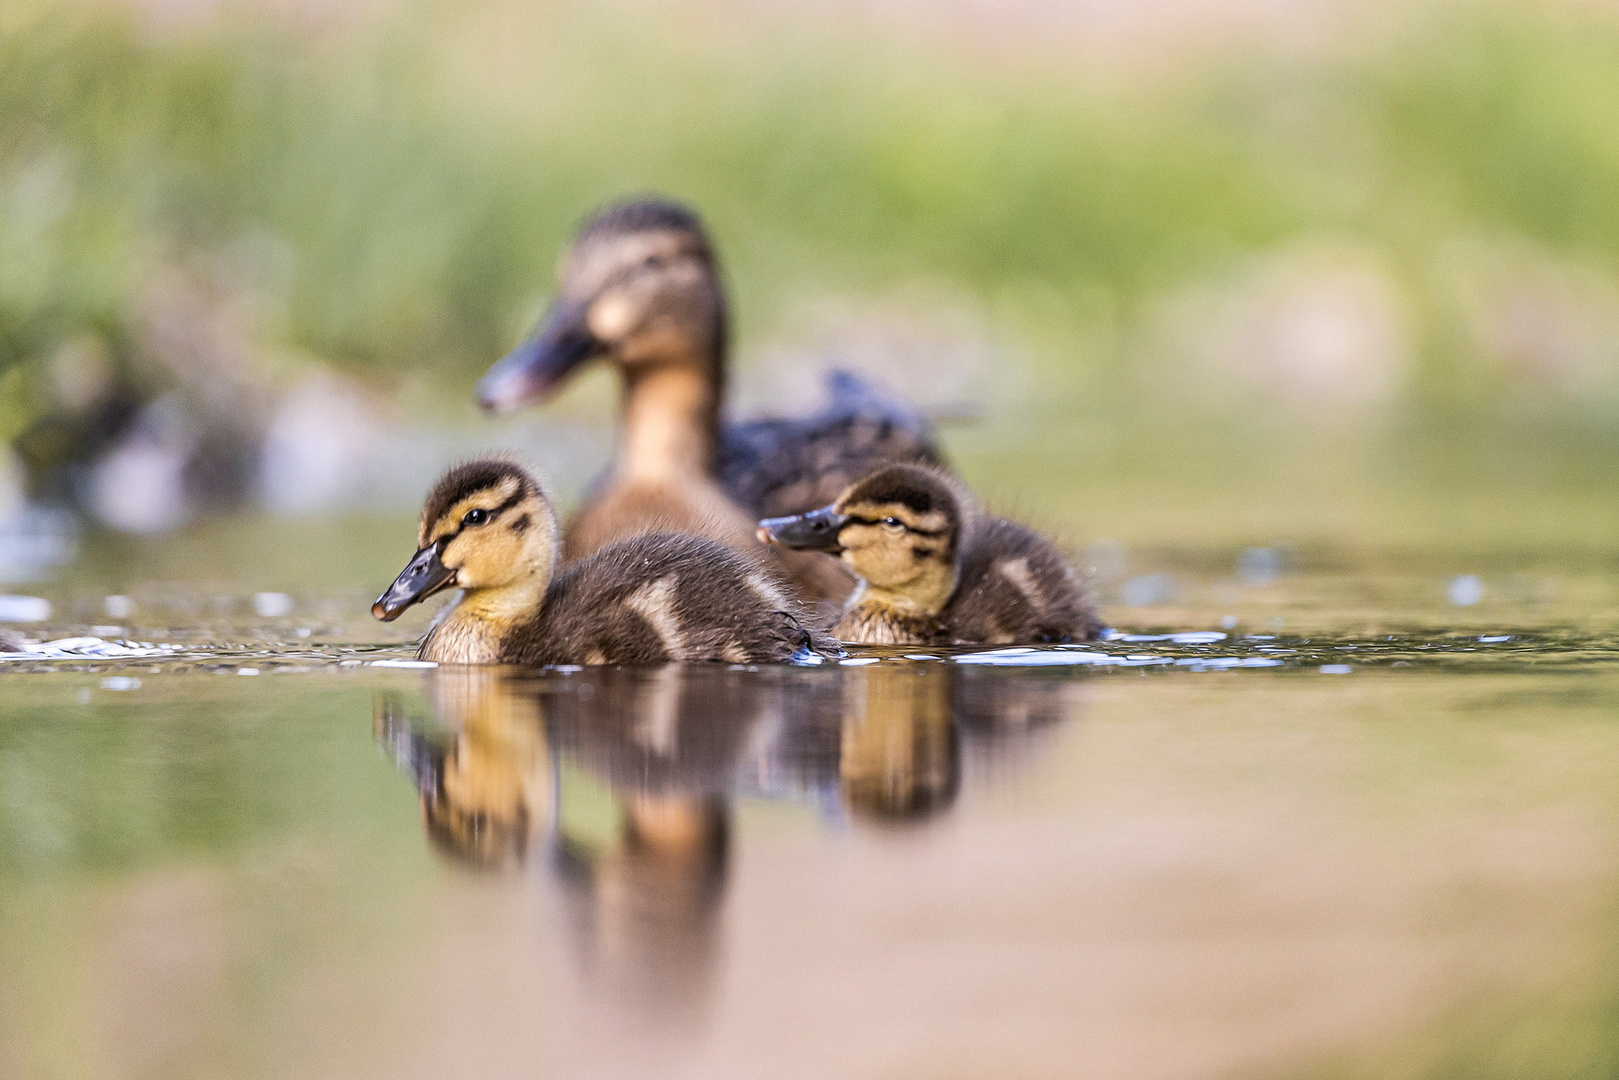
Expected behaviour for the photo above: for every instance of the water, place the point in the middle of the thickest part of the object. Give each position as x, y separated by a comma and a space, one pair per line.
1380, 838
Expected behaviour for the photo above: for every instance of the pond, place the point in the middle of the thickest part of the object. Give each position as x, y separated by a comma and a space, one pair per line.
1260, 831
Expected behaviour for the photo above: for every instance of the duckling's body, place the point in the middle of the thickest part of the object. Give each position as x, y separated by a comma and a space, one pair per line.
1015, 588
934, 571
641, 287
655, 599
488, 529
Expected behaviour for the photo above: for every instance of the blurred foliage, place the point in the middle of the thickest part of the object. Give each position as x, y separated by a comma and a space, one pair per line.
393, 192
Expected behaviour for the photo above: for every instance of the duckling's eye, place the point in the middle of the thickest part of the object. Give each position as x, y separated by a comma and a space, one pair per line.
475, 517
893, 523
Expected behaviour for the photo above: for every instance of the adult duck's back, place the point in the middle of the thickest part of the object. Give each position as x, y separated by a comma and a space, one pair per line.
780, 466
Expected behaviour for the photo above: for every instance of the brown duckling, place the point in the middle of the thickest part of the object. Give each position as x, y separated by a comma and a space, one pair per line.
641, 288
489, 530
935, 571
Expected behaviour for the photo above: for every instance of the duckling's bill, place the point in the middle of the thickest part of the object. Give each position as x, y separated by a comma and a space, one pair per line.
815, 531
425, 576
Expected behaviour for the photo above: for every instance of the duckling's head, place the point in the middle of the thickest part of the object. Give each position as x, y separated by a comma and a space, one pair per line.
488, 529
638, 287
898, 529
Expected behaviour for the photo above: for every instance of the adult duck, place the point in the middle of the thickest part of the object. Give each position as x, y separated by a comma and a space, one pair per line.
640, 288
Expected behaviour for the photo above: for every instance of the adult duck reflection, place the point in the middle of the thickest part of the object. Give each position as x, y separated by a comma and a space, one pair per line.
645, 894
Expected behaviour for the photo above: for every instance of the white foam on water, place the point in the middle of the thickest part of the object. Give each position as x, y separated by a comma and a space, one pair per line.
1031, 658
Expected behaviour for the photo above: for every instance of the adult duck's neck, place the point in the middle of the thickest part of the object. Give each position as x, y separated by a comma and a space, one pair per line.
670, 421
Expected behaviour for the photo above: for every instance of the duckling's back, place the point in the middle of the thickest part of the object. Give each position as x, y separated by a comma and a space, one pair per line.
1014, 587
662, 597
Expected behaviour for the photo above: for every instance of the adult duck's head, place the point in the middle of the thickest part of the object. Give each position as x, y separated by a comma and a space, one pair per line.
638, 288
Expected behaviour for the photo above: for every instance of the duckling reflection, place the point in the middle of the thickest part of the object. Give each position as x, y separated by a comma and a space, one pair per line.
487, 794
620, 779
616, 785
899, 757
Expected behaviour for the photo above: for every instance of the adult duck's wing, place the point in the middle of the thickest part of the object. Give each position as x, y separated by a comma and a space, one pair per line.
780, 466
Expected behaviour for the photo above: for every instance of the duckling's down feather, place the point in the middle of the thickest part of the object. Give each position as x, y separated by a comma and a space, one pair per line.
662, 597
1015, 588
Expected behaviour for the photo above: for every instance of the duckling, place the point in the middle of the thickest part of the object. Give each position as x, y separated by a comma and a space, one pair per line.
488, 529
641, 288
935, 571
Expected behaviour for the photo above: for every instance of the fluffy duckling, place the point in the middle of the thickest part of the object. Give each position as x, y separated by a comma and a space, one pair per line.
935, 571
641, 289
489, 530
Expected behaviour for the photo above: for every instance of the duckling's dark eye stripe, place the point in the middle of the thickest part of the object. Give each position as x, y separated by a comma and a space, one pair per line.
516, 497
907, 528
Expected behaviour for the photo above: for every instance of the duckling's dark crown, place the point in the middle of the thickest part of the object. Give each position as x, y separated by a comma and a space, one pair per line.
644, 215
908, 485
471, 478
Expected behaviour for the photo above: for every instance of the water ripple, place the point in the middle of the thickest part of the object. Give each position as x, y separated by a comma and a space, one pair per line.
1190, 651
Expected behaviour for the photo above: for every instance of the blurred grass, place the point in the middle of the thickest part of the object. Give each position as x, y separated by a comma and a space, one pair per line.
396, 191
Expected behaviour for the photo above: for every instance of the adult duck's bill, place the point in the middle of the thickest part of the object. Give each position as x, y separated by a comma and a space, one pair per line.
814, 531
537, 367
424, 576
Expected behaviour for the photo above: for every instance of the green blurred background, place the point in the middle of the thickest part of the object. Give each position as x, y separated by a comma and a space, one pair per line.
1202, 270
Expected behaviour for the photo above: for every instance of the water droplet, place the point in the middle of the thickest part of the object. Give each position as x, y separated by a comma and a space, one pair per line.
1146, 590
1465, 590
1258, 566
271, 605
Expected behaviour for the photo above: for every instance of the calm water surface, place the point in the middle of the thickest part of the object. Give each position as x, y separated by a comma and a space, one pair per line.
1287, 822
